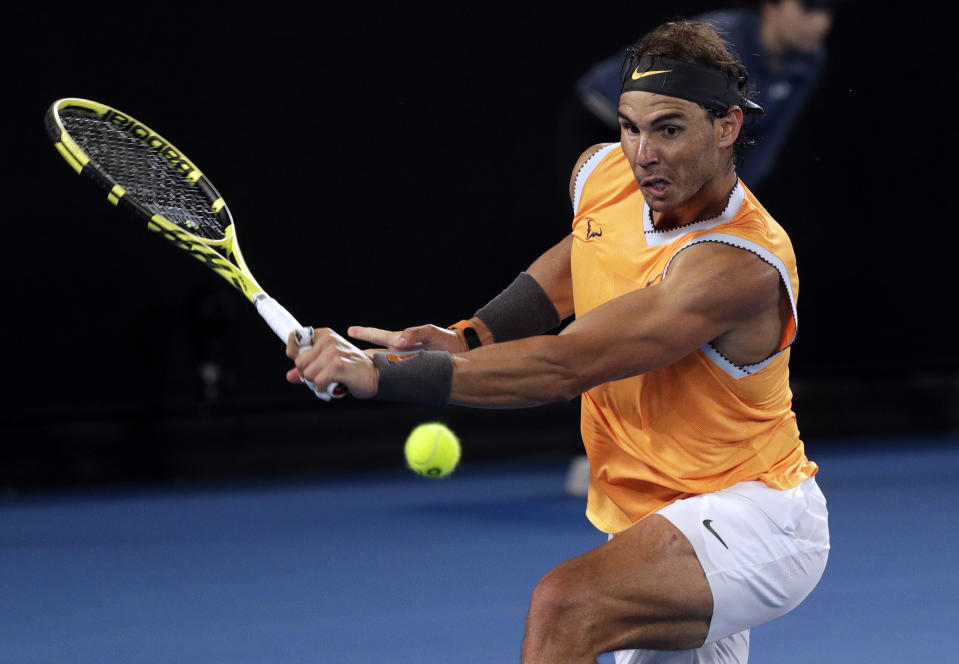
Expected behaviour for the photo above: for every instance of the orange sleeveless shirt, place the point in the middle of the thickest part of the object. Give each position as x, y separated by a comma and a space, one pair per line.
701, 424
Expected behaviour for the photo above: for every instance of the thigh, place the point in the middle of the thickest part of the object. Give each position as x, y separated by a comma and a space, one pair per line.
762, 550
644, 588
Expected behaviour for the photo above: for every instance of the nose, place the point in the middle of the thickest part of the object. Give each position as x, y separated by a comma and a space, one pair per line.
645, 153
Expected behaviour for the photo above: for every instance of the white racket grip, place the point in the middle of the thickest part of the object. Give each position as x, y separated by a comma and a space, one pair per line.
279, 319
283, 323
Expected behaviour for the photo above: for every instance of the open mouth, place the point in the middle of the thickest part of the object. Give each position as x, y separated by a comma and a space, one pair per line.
655, 186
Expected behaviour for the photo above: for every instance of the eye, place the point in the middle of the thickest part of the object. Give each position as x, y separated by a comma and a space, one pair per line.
629, 128
671, 131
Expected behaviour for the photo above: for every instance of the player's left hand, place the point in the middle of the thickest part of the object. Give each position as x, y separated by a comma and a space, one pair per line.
333, 359
420, 337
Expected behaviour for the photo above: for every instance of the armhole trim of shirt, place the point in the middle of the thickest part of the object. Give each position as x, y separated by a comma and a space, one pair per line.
583, 174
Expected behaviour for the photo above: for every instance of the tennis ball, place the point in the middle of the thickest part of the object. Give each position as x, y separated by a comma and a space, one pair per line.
432, 450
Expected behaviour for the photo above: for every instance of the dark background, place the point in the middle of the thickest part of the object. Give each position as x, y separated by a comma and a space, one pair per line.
391, 167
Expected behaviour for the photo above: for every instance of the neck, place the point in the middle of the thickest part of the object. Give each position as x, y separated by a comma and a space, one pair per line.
708, 202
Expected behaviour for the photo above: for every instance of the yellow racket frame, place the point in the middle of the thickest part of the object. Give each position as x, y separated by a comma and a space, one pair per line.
223, 256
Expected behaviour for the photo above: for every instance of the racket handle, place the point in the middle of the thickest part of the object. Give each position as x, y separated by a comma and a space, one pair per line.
282, 323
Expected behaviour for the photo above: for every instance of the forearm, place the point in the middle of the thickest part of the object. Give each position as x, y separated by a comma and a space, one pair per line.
531, 371
553, 368
515, 374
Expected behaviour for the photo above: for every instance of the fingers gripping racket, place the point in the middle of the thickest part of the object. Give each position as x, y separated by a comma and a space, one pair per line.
145, 175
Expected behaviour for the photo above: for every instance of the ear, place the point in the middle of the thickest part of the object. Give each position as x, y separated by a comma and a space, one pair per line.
729, 126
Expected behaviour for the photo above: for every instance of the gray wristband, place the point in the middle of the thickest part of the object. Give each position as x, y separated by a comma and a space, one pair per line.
522, 310
424, 376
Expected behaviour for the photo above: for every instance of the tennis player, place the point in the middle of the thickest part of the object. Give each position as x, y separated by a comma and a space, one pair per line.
684, 290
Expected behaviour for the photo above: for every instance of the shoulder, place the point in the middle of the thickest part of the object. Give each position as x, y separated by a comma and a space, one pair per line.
724, 274
588, 154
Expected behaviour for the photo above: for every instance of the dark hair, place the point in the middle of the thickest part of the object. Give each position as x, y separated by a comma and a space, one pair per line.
701, 44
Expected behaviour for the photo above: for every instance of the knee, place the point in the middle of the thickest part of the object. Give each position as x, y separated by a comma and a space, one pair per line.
562, 613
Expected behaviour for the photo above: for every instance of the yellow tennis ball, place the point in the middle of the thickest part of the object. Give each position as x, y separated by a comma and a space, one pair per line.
432, 450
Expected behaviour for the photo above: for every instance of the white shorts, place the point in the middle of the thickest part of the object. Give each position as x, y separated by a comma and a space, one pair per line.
763, 551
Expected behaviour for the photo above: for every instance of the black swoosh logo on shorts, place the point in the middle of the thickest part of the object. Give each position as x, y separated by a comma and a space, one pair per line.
706, 523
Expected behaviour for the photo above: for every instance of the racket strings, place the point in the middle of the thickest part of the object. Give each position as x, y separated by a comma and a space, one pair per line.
145, 175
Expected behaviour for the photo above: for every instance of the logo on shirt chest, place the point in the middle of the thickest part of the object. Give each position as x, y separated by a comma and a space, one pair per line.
593, 229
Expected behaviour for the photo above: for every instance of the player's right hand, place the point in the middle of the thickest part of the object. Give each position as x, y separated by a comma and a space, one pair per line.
421, 337
332, 359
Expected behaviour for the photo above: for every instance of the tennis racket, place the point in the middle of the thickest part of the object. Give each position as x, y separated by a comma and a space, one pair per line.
143, 173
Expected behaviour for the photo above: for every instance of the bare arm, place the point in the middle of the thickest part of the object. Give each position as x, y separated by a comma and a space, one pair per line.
712, 290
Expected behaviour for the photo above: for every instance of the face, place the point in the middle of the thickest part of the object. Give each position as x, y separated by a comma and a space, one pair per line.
677, 154
799, 28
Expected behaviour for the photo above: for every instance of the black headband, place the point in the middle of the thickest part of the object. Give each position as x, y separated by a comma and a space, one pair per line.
709, 87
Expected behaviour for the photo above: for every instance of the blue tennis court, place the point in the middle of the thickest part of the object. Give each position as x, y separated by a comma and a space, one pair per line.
386, 566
